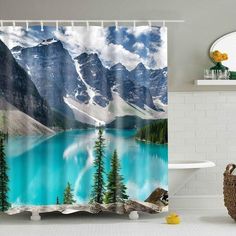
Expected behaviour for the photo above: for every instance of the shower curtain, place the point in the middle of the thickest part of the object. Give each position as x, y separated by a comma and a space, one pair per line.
83, 119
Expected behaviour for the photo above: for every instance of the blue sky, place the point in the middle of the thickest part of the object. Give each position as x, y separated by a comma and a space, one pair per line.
124, 37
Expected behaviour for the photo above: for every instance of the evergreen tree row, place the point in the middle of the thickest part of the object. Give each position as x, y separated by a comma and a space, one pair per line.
4, 180
115, 190
156, 132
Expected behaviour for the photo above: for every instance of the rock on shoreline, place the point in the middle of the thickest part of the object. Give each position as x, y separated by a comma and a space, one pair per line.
157, 205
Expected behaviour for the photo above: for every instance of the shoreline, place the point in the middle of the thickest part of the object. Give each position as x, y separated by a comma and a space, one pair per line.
149, 142
119, 208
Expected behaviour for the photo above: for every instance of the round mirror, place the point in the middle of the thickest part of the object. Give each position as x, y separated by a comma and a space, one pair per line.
227, 44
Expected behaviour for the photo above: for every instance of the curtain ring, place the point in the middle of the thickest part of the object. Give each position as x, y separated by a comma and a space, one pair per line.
14, 24
72, 25
102, 24
116, 23
1, 25
57, 25
87, 24
27, 25
41, 23
149, 23
134, 25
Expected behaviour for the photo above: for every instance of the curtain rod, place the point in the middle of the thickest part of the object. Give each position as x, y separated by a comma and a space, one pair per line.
72, 22
92, 21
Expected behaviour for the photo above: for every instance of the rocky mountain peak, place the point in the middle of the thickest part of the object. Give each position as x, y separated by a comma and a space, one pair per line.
118, 66
140, 66
91, 58
16, 49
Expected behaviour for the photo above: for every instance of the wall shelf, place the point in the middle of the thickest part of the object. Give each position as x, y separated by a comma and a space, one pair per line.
215, 82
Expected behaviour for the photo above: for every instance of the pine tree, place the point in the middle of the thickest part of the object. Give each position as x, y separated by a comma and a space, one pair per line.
68, 195
98, 190
57, 201
4, 180
116, 190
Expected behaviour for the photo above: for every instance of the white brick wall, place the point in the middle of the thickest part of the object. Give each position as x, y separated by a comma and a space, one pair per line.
202, 126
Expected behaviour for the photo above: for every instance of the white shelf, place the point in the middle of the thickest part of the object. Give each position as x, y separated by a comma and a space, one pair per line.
214, 82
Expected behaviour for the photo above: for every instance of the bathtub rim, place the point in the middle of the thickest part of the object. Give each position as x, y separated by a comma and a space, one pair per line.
192, 164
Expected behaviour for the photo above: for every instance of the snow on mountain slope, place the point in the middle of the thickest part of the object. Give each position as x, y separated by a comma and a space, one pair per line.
157, 101
82, 112
95, 75
97, 115
90, 90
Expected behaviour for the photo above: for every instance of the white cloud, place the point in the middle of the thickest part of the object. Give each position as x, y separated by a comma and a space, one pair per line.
138, 46
158, 59
79, 40
18, 36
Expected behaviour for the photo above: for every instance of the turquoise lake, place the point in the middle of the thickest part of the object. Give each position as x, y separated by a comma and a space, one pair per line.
41, 166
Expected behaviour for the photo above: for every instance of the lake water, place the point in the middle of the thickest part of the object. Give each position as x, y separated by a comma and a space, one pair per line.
41, 166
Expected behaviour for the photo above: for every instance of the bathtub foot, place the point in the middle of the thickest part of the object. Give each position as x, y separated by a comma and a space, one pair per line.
35, 216
133, 215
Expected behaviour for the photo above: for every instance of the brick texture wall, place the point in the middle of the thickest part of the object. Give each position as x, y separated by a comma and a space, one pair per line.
202, 126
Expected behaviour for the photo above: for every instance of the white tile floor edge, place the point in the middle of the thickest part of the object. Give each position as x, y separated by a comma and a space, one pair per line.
194, 223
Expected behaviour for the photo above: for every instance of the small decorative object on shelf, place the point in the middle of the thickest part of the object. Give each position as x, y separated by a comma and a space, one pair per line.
232, 75
217, 58
219, 71
210, 74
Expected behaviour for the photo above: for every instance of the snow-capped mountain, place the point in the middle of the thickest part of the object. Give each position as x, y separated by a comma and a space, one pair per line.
116, 79
132, 92
17, 89
53, 72
154, 80
96, 94
21, 102
94, 74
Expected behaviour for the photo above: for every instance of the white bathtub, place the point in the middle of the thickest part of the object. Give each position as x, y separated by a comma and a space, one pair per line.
180, 173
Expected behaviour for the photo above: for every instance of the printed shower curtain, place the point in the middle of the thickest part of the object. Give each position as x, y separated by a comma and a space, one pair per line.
83, 119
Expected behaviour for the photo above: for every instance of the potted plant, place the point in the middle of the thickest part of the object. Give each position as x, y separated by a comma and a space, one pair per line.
217, 57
